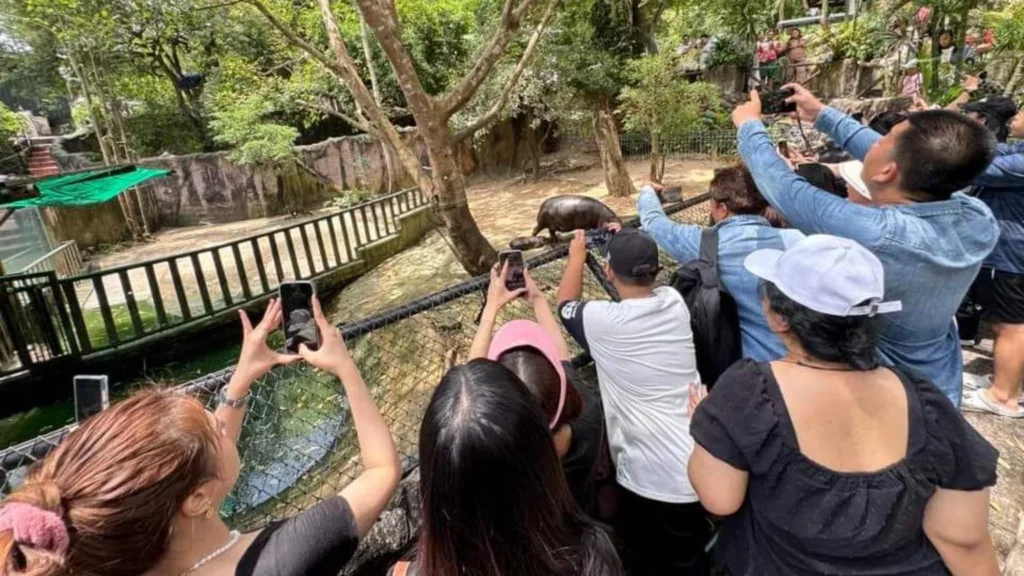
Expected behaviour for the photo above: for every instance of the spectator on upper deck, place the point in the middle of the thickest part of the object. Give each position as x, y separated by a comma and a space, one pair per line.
137, 489
736, 210
826, 462
930, 239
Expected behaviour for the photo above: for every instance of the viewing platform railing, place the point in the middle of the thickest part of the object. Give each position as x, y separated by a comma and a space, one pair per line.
50, 311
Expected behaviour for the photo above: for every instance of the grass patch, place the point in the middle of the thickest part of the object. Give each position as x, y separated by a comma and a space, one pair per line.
97, 330
27, 425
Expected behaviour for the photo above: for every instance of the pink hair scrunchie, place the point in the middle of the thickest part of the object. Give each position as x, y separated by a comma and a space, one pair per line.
35, 527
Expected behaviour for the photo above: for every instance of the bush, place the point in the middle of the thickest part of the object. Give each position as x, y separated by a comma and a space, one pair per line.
728, 52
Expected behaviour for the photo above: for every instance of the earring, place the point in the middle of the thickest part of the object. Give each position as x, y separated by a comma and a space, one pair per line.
209, 511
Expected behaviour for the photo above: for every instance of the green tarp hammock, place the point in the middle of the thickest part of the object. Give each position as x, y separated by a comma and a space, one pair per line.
86, 188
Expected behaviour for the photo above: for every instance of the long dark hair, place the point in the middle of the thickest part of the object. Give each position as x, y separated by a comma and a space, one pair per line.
542, 380
851, 340
494, 499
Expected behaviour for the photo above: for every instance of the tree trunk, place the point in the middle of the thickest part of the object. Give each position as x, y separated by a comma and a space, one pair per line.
471, 248
606, 131
473, 251
1015, 77
385, 148
657, 166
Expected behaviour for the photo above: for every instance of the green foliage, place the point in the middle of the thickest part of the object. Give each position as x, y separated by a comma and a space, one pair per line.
658, 102
10, 123
350, 198
728, 52
256, 140
1008, 25
862, 39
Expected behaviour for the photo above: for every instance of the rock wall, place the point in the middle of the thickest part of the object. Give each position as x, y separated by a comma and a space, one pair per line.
211, 188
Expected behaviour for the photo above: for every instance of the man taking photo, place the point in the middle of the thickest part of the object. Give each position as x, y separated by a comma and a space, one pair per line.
930, 238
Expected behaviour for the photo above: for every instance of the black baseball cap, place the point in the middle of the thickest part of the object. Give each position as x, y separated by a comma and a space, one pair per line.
632, 254
1000, 109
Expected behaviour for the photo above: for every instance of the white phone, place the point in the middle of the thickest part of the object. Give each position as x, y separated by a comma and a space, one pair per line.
92, 396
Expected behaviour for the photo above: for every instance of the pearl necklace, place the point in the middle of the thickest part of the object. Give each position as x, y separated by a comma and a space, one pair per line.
233, 537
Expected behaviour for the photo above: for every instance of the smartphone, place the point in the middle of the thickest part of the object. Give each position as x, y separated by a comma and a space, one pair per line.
514, 280
92, 396
784, 149
297, 313
774, 101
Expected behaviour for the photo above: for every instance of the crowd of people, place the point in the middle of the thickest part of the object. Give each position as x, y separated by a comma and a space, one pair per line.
835, 445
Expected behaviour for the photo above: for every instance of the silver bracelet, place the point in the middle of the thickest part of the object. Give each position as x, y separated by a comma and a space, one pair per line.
223, 400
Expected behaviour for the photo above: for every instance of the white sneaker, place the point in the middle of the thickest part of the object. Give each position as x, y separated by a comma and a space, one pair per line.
979, 382
978, 401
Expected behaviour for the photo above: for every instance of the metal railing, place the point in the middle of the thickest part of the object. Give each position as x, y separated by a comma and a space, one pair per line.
298, 446
111, 307
65, 260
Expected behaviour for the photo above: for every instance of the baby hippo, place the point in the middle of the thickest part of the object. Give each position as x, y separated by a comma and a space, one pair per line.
570, 212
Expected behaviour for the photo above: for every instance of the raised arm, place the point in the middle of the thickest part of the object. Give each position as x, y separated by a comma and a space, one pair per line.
1006, 170
571, 287
681, 241
545, 317
849, 134
370, 492
807, 208
956, 523
497, 297
255, 360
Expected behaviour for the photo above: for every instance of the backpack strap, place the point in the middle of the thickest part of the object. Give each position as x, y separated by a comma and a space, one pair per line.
709, 255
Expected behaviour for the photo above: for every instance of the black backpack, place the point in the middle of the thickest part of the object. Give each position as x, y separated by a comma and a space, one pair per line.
713, 315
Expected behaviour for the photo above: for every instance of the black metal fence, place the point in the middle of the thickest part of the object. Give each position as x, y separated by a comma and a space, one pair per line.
297, 445
107, 308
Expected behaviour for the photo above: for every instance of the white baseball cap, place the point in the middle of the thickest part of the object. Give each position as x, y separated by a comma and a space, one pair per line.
827, 274
850, 171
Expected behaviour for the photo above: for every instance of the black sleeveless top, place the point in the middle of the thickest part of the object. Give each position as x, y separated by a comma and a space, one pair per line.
800, 518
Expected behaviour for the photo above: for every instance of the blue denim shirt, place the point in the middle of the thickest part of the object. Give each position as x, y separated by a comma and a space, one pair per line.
931, 251
1002, 189
738, 236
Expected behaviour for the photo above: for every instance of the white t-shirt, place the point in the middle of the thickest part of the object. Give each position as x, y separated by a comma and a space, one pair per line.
643, 350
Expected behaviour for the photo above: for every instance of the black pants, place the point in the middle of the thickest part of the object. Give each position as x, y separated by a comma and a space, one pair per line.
660, 538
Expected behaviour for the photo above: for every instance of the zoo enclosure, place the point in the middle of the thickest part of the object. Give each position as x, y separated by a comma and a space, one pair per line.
297, 444
47, 316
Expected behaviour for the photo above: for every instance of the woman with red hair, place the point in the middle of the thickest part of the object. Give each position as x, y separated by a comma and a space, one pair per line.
137, 489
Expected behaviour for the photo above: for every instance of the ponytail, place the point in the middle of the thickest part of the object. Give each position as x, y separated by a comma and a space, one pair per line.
34, 538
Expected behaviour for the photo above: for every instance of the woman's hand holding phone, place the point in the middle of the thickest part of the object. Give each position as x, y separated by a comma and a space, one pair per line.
333, 355
256, 358
498, 295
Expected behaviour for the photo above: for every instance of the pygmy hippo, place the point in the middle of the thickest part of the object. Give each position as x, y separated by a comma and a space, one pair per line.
569, 212
671, 195
528, 243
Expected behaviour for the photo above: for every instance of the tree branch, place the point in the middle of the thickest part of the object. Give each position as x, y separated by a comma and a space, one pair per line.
359, 124
468, 86
381, 17
510, 85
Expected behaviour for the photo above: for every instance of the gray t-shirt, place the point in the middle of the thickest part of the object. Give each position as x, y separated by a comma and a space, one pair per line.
643, 351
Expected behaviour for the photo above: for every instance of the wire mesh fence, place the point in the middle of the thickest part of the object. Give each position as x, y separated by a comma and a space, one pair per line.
298, 445
716, 142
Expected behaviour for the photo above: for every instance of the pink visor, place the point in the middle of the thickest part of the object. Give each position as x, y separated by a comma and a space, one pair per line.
523, 333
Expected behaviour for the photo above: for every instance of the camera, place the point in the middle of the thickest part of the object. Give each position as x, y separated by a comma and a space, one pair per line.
774, 101
598, 237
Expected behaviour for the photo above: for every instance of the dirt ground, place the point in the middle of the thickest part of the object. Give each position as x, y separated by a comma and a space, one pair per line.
503, 209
